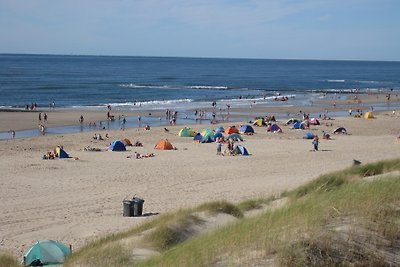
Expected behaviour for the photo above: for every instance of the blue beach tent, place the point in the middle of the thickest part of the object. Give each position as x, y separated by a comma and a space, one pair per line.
61, 153
308, 135
246, 129
117, 146
46, 252
218, 134
219, 129
241, 150
198, 137
297, 125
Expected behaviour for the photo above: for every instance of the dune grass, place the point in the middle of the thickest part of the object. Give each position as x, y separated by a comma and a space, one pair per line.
308, 231
7, 260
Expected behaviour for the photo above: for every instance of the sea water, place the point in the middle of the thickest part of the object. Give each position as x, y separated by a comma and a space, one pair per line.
160, 83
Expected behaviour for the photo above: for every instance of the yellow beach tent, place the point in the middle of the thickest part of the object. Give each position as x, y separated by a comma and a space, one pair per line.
368, 115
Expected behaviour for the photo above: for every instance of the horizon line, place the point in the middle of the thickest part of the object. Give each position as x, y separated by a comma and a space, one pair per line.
196, 57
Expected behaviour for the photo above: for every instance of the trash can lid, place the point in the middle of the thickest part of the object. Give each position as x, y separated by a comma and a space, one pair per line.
137, 200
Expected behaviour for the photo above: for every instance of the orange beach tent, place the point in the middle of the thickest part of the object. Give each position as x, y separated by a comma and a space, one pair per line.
163, 145
231, 130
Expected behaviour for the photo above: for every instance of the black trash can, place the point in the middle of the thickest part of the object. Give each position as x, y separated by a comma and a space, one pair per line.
132, 208
127, 208
137, 206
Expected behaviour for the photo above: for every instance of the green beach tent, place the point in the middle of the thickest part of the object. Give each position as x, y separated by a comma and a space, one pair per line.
207, 132
46, 252
186, 132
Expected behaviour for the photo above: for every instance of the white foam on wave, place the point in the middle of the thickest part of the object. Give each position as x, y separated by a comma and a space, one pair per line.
207, 87
198, 87
133, 85
336, 81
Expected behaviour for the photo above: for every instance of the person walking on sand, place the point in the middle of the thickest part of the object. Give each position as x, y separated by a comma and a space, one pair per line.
40, 116
45, 117
219, 145
315, 143
81, 119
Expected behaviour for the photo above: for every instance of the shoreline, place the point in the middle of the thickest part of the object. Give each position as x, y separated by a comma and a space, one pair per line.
66, 120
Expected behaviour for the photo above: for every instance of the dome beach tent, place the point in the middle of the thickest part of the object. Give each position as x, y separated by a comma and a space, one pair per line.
207, 139
218, 134
117, 146
207, 135
46, 252
206, 132
231, 130
198, 137
219, 129
291, 120
163, 145
297, 125
186, 132
241, 150
61, 153
246, 129
340, 130
313, 121
259, 122
235, 137
308, 135
274, 128
368, 115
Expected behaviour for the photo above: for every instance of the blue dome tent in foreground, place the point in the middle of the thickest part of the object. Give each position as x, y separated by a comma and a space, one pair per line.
46, 252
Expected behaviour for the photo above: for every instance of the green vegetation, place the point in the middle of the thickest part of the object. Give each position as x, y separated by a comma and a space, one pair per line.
8, 261
339, 219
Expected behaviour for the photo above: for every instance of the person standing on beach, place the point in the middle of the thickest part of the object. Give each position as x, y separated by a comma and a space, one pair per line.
45, 117
81, 119
315, 143
40, 116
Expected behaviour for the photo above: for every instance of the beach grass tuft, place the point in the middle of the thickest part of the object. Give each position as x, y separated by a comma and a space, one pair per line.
7, 260
221, 207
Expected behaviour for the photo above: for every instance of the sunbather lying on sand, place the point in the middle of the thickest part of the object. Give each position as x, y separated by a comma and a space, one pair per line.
89, 148
140, 156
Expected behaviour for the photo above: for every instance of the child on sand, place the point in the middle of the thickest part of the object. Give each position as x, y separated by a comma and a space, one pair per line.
315, 143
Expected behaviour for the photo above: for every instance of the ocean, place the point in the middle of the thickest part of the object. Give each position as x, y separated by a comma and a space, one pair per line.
148, 83
180, 84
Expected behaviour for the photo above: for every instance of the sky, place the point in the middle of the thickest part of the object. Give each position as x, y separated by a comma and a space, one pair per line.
276, 29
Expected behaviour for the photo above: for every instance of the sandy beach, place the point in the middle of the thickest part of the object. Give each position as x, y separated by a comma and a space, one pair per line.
76, 200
